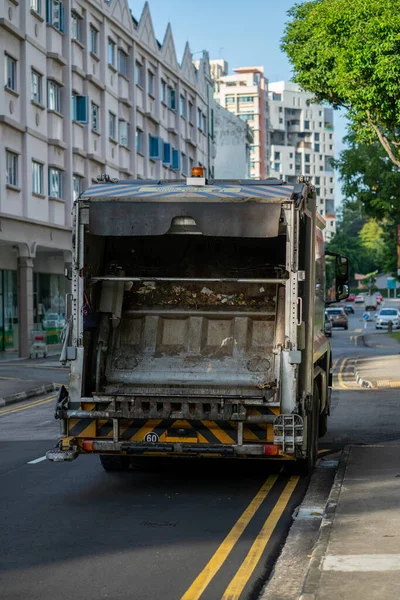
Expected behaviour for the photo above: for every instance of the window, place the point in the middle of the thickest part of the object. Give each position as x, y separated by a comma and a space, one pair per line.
54, 183
11, 168
111, 53
307, 158
280, 109
307, 169
139, 141
276, 96
36, 86
53, 96
291, 166
76, 186
316, 137
331, 190
172, 98
277, 166
229, 99
167, 154
139, 74
290, 154
321, 168
175, 160
199, 118
76, 33
37, 178
36, 6
11, 73
330, 136
330, 147
248, 117
320, 113
112, 119
280, 121
163, 91
183, 107
320, 124
190, 113
184, 163
203, 123
316, 147
306, 124
246, 98
94, 39
123, 132
150, 82
318, 190
55, 14
79, 108
122, 63
277, 156
155, 147
317, 180
95, 110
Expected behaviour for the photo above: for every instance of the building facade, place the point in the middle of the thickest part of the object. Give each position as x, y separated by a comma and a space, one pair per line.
245, 94
88, 90
233, 140
302, 143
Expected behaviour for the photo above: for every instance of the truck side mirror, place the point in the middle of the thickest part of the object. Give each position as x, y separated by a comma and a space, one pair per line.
337, 277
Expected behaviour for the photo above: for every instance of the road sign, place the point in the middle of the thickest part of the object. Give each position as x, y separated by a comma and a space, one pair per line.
366, 316
391, 283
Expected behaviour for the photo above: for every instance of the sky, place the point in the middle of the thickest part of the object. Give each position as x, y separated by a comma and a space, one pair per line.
242, 33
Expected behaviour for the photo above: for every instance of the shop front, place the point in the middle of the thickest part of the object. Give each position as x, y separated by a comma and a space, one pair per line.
8, 311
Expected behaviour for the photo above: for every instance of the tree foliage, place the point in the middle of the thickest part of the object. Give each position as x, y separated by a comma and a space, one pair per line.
371, 184
347, 53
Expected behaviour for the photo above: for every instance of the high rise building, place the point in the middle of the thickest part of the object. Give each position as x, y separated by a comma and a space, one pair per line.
245, 94
302, 143
87, 90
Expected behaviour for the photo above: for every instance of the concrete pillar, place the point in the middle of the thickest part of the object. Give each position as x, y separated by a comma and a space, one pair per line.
25, 304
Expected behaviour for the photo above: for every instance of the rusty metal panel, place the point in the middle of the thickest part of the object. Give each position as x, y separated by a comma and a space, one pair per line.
247, 219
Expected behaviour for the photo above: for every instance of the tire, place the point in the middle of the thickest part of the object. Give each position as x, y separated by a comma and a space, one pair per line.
115, 463
346, 328
305, 466
323, 425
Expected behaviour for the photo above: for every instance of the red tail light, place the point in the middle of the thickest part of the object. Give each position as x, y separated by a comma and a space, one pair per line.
271, 449
87, 445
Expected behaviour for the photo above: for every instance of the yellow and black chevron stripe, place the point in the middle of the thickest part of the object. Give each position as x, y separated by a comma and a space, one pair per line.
170, 430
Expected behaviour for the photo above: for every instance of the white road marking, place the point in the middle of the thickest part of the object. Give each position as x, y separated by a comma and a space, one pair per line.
37, 460
362, 562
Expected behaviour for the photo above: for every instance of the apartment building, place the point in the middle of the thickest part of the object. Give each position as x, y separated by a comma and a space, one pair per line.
233, 140
245, 94
302, 143
87, 90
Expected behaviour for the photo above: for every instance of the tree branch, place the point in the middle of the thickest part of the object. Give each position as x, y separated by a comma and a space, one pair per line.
384, 141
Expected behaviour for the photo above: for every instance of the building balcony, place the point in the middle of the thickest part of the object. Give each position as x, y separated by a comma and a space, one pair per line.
304, 145
293, 126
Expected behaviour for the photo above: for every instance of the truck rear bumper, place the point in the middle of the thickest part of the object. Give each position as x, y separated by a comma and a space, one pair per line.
165, 449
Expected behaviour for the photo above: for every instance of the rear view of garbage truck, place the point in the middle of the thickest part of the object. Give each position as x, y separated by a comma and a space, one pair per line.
196, 323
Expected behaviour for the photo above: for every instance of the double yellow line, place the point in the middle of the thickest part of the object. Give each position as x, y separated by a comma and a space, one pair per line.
8, 411
236, 586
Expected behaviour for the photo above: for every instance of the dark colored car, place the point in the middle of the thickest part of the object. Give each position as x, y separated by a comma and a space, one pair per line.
348, 309
338, 316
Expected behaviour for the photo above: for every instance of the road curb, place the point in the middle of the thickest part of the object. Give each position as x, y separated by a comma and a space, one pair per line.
14, 398
364, 383
313, 577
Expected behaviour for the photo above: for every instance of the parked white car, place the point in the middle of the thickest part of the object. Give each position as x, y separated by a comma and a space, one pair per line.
386, 315
53, 321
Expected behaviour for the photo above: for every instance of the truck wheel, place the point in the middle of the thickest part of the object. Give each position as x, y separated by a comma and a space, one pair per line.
305, 466
323, 425
114, 463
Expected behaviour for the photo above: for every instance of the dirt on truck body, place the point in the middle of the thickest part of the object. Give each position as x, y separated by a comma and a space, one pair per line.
197, 323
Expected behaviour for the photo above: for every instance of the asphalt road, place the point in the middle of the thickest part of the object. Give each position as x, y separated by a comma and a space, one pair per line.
211, 529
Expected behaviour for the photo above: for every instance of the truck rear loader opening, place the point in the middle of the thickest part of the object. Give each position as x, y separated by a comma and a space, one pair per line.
196, 323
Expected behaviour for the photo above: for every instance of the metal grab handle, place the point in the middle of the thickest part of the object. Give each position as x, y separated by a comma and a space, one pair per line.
67, 315
300, 311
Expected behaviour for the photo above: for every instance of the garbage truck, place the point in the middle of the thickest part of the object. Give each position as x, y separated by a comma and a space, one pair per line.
195, 326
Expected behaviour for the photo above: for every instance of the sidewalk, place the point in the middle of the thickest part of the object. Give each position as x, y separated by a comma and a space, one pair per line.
383, 369
357, 555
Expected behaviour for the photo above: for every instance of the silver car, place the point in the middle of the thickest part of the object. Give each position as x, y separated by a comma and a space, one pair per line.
386, 315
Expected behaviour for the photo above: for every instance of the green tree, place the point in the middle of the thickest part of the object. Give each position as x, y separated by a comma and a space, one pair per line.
347, 53
372, 183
